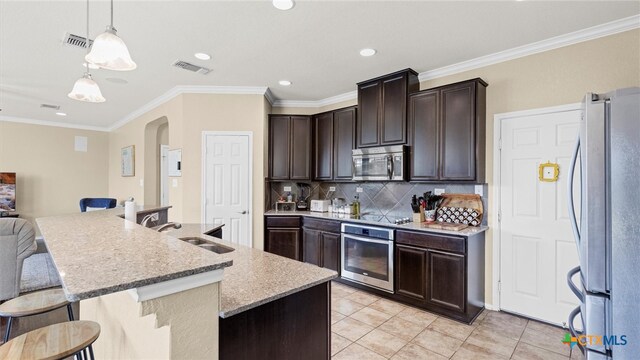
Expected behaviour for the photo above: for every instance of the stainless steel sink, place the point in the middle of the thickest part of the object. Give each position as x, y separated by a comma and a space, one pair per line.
208, 245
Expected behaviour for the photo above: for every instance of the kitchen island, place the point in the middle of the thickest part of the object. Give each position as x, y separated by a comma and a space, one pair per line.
157, 296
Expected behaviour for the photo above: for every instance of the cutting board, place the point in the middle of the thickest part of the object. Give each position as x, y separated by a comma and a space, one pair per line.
445, 226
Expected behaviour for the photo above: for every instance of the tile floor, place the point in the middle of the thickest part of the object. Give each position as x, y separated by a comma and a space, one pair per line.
368, 327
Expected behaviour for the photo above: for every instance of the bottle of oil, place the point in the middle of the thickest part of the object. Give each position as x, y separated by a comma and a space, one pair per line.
356, 205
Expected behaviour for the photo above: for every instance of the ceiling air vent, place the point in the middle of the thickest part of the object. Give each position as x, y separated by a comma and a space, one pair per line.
49, 106
76, 40
191, 67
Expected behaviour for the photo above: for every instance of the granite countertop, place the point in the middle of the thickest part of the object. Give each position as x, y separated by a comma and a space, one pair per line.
98, 253
469, 231
257, 277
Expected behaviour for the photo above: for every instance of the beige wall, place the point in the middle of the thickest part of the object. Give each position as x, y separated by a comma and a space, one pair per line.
556, 77
48, 167
188, 116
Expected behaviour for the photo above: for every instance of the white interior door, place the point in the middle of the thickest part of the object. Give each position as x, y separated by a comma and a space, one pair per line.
228, 185
164, 175
537, 248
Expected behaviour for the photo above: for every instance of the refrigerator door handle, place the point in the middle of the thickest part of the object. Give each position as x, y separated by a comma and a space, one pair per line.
572, 214
572, 285
572, 329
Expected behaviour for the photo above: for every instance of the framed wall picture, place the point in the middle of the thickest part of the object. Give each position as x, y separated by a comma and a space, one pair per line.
128, 161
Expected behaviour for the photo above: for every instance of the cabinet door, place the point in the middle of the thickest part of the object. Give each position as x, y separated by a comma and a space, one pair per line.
423, 119
312, 246
279, 134
323, 139
393, 125
446, 285
368, 133
344, 140
458, 159
331, 251
411, 272
284, 242
300, 166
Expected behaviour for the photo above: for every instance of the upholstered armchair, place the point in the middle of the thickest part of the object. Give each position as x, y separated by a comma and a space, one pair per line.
17, 242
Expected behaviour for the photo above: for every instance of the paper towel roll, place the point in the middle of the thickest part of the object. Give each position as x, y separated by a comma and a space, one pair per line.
130, 211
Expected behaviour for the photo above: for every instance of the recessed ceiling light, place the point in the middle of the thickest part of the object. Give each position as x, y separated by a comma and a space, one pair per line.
202, 56
91, 66
116, 80
283, 4
284, 82
61, 114
367, 52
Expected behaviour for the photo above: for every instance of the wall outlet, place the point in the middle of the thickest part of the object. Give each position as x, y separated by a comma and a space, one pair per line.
141, 182
287, 188
478, 190
174, 182
332, 188
358, 189
438, 191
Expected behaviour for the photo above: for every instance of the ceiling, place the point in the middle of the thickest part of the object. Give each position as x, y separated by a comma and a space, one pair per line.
315, 45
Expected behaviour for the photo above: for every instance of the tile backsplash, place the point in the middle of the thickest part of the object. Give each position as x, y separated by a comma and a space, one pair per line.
388, 199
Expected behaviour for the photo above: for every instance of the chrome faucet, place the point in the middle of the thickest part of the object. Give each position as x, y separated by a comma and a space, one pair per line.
147, 218
167, 226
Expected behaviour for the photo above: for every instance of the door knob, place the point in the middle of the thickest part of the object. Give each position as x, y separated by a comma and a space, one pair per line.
242, 212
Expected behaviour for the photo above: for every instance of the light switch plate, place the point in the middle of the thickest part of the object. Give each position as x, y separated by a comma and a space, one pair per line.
287, 188
332, 188
358, 189
438, 191
478, 190
174, 182
141, 182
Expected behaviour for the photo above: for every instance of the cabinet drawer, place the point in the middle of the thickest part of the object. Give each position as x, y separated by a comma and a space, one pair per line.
321, 224
431, 241
283, 221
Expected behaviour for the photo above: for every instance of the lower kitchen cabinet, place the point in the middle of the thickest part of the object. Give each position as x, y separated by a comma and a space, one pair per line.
321, 242
283, 236
441, 273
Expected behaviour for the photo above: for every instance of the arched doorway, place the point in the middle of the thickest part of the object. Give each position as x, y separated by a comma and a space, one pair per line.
156, 141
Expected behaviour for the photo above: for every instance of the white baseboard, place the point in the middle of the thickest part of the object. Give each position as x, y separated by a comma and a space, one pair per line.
491, 307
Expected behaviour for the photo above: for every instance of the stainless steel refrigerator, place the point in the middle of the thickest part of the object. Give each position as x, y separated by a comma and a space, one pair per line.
606, 167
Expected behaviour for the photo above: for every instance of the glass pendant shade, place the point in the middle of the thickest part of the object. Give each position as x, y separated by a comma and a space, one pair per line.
110, 52
85, 89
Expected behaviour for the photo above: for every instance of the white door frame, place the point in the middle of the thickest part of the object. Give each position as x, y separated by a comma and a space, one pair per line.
497, 167
203, 190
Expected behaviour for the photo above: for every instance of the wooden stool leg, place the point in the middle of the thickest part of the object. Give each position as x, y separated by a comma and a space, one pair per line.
70, 312
91, 353
6, 335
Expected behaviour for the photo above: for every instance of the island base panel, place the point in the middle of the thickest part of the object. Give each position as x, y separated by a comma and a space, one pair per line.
297, 326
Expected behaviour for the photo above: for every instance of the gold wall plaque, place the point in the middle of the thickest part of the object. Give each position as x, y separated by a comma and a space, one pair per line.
548, 172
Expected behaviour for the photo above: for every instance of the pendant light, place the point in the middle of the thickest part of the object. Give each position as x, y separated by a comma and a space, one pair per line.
85, 89
109, 51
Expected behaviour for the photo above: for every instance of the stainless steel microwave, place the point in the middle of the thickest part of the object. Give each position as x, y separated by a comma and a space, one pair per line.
385, 163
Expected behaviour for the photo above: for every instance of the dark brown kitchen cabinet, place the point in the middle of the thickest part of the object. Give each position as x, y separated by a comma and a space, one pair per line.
448, 129
289, 147
446, 280
334, 139
321, 243
283, 236
411, 272
382, 109
440, 273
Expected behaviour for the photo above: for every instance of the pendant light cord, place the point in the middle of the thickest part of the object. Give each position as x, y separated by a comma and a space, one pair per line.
112, 14
87, 40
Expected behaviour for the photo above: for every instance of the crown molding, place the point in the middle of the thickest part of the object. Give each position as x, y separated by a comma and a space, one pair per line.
269, 95
20, 120
598, 31
317, 103
190, 89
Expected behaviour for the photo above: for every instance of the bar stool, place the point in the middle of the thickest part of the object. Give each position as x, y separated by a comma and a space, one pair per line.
34, 303
53, 342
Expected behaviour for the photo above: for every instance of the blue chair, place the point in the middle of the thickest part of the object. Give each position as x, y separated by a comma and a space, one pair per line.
103, 203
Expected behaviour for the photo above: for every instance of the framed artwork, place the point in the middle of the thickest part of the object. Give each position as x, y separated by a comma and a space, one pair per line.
128, 161
548, 172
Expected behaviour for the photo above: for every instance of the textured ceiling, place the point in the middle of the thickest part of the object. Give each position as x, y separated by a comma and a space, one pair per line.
315, 45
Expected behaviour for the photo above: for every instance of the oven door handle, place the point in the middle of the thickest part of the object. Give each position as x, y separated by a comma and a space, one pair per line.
370, 240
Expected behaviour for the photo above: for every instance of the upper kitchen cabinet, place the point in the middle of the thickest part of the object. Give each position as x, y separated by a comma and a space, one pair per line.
382, 109
289, 147
334, 139
447, 126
